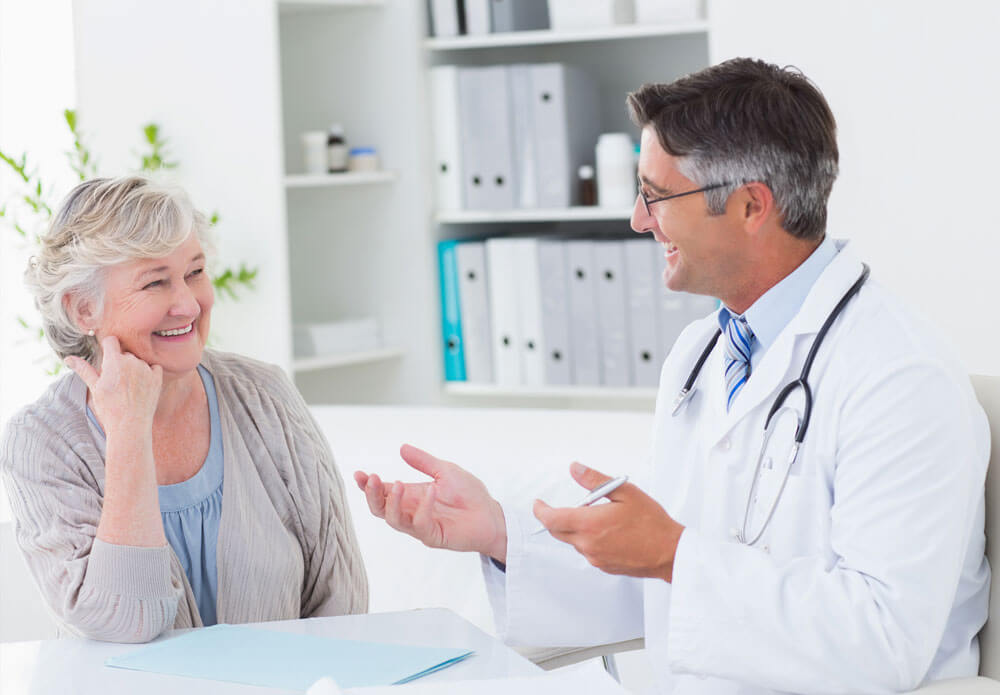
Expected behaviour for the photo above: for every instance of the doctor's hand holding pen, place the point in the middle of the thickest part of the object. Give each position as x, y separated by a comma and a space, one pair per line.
631, 534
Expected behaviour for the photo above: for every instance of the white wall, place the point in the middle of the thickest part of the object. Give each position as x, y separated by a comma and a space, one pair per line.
36, 83
913, 84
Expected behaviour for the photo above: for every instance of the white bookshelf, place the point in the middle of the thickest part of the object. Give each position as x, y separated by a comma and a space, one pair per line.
573, 214
307, 5
602, 393
346, 359
549, 37
350, 178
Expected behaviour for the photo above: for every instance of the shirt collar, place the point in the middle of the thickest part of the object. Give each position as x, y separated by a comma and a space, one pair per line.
769, 315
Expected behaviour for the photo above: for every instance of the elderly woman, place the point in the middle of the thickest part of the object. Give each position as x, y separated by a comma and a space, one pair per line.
162, 485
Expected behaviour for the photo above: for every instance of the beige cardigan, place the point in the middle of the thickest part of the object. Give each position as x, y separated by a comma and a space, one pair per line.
286, 545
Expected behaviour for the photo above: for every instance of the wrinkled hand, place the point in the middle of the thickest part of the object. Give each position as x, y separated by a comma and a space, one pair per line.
126, 390
631, 534
453, 511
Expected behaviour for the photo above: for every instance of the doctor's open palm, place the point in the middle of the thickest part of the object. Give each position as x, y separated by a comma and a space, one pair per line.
454, 510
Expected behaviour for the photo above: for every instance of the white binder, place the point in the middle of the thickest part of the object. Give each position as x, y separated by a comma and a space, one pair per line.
477, 17
486, 138
518, 15
553, 284
612, 313
646, 354
566, 123
523, 135
444, 17
506, 336
473, 300
447, 146
582, 282
673, 315
532, 345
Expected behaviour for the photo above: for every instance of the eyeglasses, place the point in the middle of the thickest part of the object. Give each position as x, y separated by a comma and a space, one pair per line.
646, 202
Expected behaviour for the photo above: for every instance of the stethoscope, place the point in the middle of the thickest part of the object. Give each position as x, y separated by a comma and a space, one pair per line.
777, 411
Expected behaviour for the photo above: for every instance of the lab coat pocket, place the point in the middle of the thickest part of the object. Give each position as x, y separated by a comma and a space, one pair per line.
784, 512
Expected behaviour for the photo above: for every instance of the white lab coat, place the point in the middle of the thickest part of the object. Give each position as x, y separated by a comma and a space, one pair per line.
870, 577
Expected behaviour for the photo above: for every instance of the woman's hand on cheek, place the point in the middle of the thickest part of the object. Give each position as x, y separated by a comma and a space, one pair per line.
124, 392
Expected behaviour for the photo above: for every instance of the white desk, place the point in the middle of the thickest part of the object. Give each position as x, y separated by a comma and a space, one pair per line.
77, 666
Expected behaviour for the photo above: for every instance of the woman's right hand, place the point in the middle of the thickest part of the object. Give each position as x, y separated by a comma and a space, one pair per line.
126, 390
453, 511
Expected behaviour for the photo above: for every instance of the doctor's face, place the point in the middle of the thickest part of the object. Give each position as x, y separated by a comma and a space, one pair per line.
701, 249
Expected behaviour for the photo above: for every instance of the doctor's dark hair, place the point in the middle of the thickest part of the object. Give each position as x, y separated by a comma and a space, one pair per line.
747, 120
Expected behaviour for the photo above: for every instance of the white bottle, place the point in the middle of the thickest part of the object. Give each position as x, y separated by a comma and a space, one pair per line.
616, 182
314, 151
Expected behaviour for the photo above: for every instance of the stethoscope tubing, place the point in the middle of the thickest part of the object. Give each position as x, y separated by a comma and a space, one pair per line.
801, 383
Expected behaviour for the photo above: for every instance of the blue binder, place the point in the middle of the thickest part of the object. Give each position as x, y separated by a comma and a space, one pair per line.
451, 315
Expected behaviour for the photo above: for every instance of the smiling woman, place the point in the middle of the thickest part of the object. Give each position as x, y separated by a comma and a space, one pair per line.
117, 475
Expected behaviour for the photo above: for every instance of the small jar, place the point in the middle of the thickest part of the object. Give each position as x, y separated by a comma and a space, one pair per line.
336, 149
363, 159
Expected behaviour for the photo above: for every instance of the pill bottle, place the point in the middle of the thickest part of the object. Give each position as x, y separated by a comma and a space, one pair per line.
616, 182
336, 149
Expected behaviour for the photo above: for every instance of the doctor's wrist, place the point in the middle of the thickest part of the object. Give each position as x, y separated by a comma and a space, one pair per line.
498, 548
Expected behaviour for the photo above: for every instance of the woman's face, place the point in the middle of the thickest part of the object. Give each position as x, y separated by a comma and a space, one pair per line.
159, 308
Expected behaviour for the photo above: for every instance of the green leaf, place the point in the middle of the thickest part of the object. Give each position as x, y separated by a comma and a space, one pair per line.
20, 320
151, 131
70, 116
214, 219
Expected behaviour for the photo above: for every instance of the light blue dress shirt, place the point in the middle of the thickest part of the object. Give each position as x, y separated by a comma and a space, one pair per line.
191, 511
769, 315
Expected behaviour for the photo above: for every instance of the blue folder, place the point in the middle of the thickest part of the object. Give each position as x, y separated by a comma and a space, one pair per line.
451, 315
239, 654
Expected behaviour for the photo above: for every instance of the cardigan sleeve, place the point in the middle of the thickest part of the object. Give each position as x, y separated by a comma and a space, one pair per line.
335, 581
95, 589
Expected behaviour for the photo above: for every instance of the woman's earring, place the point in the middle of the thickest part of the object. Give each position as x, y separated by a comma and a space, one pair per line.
91, 332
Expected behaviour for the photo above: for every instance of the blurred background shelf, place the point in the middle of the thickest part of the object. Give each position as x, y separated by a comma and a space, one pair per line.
546, 37
574, 214
306, 5
307, 364
605, 393
350, 178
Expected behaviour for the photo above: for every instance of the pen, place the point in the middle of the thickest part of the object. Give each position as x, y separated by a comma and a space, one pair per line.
595, 494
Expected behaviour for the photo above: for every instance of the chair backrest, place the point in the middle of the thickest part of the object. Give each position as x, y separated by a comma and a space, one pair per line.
988, 393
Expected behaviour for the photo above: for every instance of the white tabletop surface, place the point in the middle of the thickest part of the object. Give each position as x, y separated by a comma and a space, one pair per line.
77, 665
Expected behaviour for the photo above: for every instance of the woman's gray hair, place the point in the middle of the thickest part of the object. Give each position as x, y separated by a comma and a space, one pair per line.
102, 223
746, 120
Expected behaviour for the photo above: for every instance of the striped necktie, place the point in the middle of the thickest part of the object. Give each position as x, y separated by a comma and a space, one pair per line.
739, 338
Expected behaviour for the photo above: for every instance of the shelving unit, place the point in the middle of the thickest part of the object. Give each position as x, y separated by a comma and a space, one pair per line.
549, 37
351, 178
574, 214
620, 59
308, 364
306, 5
646, 395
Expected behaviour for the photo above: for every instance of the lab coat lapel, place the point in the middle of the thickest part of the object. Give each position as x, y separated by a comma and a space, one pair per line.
783, 362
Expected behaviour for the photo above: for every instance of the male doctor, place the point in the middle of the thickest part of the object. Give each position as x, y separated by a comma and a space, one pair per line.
855, 565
